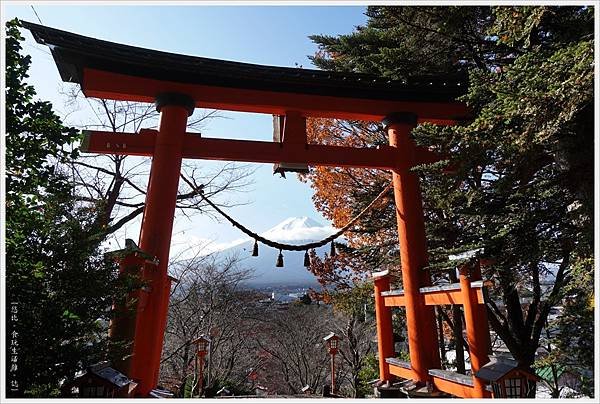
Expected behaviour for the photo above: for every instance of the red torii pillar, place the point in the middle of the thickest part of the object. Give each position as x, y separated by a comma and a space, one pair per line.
420, 319
478, 335
155, 237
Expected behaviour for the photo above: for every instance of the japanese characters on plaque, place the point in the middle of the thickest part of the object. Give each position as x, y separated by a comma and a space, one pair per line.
13, 350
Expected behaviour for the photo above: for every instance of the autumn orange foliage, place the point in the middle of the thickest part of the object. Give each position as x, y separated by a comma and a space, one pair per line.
341, 193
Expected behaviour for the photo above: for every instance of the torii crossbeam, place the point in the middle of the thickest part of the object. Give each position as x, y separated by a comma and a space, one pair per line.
178, 84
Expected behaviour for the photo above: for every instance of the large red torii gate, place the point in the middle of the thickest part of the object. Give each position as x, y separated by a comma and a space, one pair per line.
178, 84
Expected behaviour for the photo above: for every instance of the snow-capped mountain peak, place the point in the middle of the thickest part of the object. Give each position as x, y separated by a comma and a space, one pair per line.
292, 223
298, 228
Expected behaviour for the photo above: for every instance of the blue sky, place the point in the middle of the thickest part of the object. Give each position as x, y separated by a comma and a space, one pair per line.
275, 35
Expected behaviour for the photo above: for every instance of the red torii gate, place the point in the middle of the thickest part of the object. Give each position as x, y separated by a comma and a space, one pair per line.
178, 84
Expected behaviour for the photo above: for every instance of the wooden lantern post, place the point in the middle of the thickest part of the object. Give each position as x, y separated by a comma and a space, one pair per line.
332, 344
202, 343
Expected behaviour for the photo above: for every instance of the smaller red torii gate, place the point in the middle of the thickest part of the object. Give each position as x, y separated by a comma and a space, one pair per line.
178, 84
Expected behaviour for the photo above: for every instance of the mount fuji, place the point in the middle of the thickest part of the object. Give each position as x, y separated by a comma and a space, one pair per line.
294, 230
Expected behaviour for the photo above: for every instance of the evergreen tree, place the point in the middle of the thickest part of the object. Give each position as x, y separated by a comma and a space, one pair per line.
523, 189
59, 289
568, 340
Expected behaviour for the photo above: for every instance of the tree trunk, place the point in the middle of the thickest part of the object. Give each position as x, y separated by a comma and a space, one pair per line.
457, 331
458, 338
440, 321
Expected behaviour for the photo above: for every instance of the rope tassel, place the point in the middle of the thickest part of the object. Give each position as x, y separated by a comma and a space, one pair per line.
332, 252
279, 263
306, 259
255, 249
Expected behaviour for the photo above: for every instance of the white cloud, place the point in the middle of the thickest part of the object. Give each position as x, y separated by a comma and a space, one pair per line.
186, 246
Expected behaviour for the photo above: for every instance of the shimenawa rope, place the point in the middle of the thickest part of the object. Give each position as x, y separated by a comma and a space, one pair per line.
294, 247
